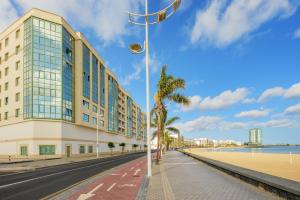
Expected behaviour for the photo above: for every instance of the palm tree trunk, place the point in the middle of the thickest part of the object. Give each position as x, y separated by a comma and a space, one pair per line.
158, 140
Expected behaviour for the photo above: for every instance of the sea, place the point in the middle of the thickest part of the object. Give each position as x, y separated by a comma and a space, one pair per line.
266, 149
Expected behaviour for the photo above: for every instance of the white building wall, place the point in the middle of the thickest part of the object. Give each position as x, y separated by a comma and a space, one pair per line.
35, 133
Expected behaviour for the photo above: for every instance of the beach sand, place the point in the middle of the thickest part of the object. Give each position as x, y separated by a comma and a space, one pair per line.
281, 165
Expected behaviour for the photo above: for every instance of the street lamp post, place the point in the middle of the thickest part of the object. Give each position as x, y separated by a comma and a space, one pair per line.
97, 143
150, 19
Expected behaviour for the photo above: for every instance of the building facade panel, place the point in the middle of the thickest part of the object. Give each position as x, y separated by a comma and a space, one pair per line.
67, 90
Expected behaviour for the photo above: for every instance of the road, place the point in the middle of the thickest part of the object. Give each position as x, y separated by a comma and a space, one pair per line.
43, 182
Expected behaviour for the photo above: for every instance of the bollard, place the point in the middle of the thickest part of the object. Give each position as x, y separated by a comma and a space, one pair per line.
9, 158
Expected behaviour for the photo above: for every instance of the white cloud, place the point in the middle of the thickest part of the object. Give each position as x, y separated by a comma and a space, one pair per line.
223, 100
227, 126
276, 123
108, 19
8, 14
295, 109
205, 123
253, 113
272, 92
199, 124
292, 92
154, 65
297, 33
249, 100
222, 23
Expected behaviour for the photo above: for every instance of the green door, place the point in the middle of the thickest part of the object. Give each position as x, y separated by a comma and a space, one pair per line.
68, 151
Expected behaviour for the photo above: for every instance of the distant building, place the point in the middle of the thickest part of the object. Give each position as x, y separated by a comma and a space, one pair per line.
255, 136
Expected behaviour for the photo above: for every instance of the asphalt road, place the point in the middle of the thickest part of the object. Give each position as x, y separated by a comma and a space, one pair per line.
43, 182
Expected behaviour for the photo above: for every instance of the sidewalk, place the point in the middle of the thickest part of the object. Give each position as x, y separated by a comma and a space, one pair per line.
181, 177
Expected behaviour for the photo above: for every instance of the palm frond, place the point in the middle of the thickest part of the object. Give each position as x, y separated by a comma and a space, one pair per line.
179, 98
173, 129
171, 121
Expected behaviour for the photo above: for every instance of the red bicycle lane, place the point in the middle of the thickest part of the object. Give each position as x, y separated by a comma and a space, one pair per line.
122, 183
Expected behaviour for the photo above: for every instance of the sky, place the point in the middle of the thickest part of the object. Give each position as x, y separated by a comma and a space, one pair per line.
240, 59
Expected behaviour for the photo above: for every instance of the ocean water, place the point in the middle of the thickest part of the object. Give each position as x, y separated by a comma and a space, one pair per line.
271, 149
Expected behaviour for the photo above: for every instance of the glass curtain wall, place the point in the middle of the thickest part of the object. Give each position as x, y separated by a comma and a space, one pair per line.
102, 86
112, 105
86, 72
95, 79
43, 56
68, 76
129, 116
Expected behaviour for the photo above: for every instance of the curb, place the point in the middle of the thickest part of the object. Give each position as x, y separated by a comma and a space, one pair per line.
142, 193
284, 188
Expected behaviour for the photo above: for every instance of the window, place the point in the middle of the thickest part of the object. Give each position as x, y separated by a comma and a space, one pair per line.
90, 149
85, 104
6, 116
17, 49
85, 118
6, 86
101, 118
0, 46
23, 151
95, 120
81, 149
6, 41
6, 71
6, 101
18, 97
0, 74
17, 33
17, 65
0, 60
17, 81
6, 56
95, 109
17, 112
47, 149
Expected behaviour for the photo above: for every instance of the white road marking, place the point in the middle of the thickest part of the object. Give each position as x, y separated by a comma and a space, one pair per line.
90, 193
111, 187
124, 174
115, 174
57, 173
128, 185
131, 168
136, 172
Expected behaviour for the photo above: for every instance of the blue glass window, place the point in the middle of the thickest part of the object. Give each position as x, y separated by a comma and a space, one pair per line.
86, 72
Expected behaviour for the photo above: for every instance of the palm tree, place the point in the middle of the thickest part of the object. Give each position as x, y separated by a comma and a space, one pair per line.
111, 145
168, 129
167, 90
122, 145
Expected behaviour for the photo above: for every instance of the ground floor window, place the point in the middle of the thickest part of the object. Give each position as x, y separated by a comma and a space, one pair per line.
23, 150
81, 149
47, 149
90, 149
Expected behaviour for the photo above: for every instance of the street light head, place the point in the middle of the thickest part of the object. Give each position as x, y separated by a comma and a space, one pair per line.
176, 4
136, 48
161, 16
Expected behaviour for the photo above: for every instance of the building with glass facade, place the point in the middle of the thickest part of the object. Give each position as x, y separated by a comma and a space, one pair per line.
55, 89
255, 136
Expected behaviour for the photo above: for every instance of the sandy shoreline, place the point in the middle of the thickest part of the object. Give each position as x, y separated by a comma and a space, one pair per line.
281, 165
